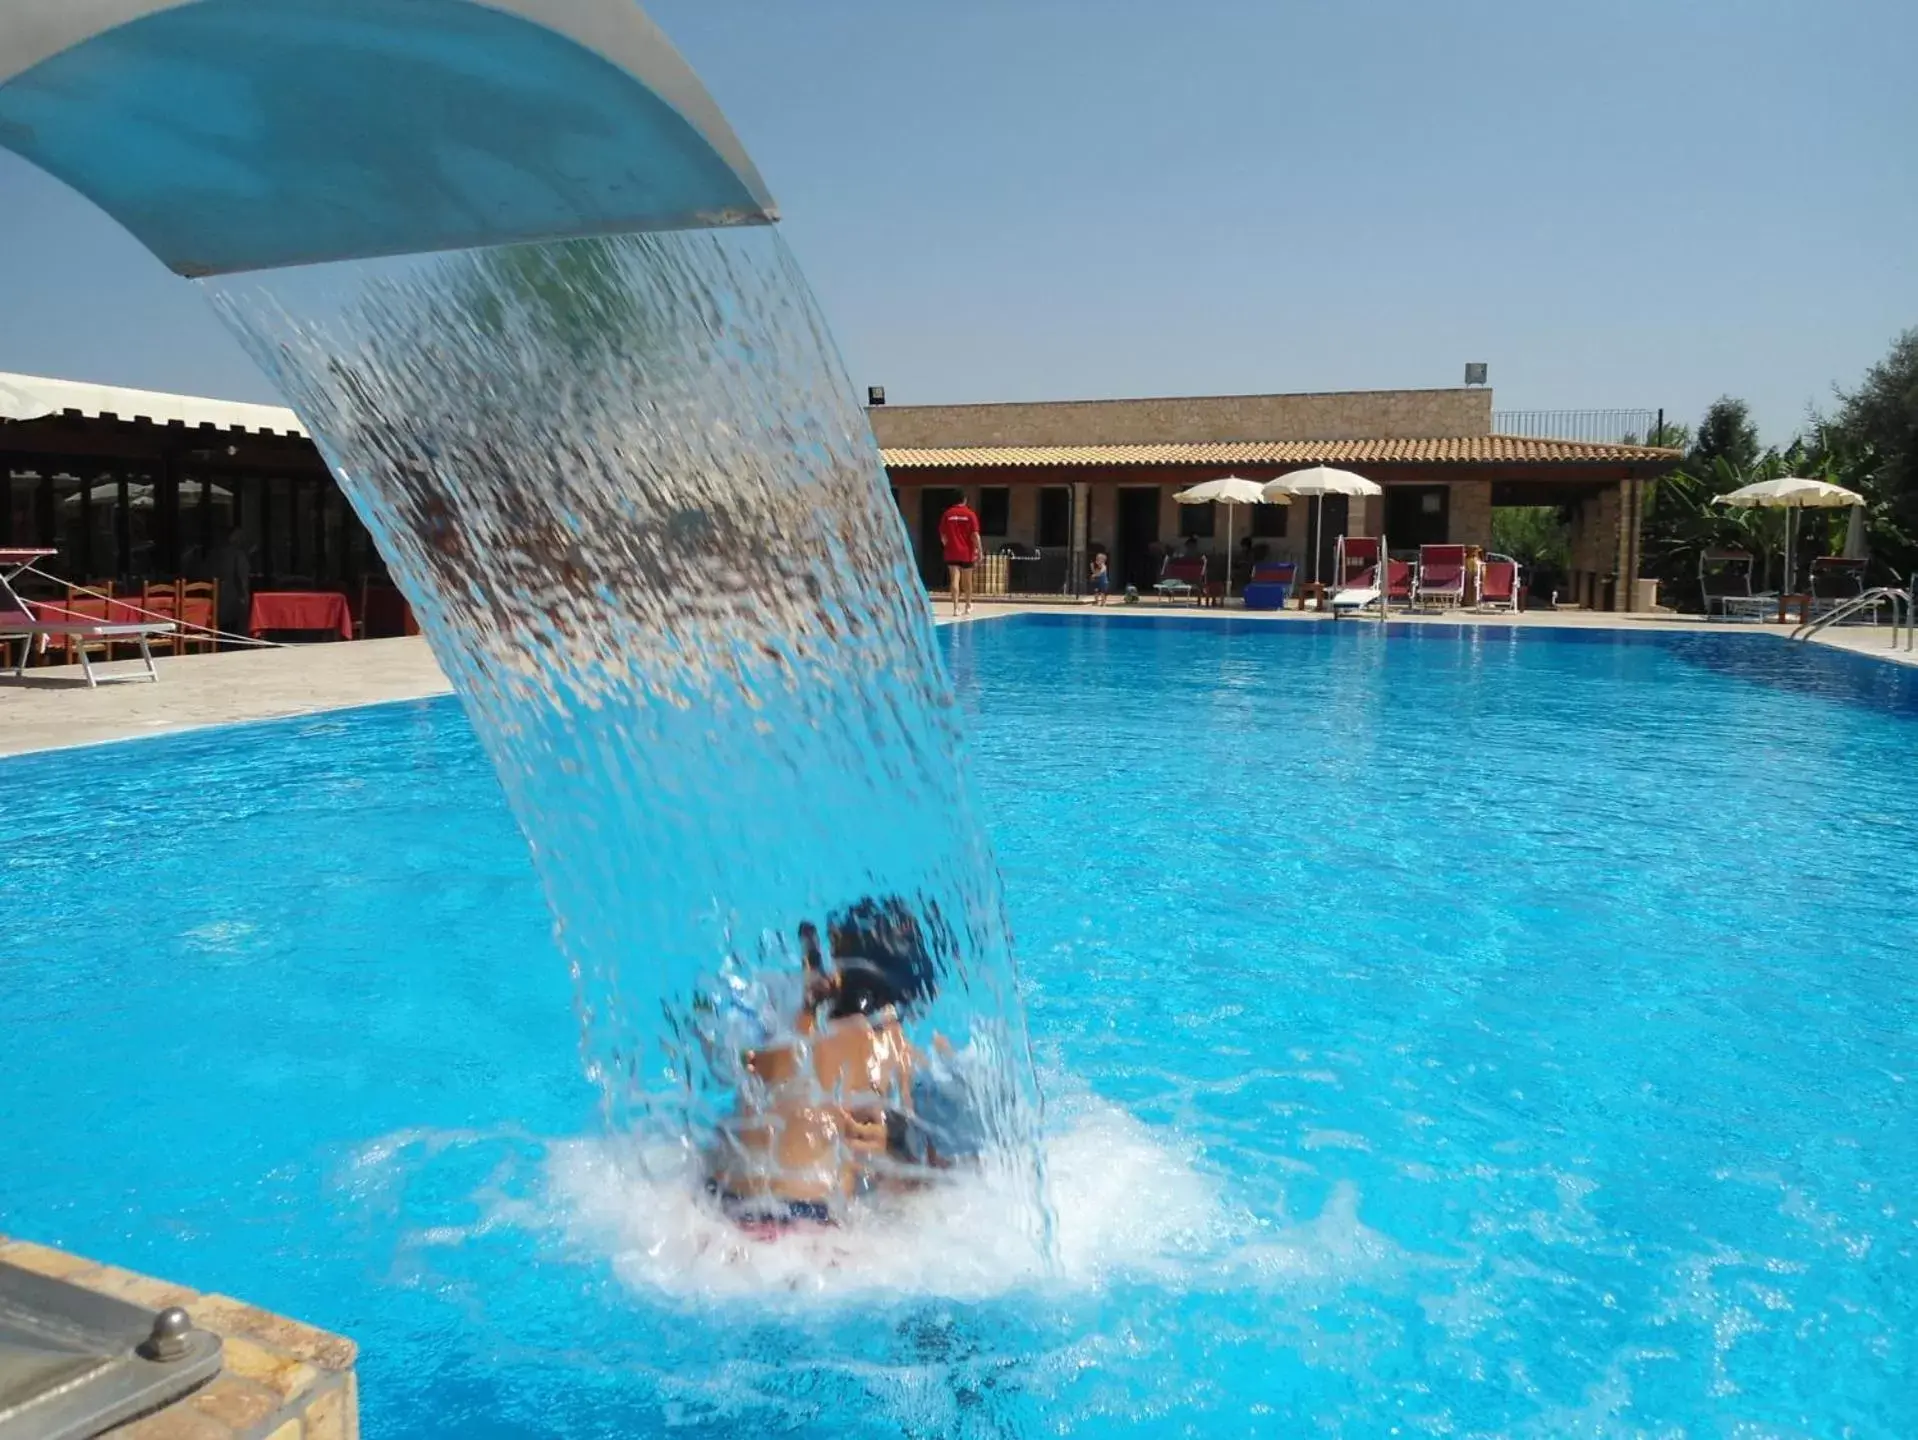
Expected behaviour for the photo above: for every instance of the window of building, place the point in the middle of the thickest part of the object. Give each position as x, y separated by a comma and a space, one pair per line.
1055, 515
69, 530
995, 509
24, 508
145, 544
1199, 521
102, 512
1268, 521
279, 551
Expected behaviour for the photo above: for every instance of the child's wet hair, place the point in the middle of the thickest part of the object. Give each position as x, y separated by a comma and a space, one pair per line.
881, 956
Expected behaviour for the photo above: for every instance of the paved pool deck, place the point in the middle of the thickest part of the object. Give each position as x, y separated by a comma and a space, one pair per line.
52, 709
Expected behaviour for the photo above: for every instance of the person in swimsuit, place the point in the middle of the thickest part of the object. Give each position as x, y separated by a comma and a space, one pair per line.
1101, 578
821, 1112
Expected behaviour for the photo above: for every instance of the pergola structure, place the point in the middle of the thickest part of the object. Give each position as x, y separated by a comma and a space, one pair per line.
136, 485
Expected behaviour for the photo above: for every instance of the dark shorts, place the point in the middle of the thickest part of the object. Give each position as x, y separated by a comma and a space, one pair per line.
1102, 584
960, 564
946, 1120
770, 1209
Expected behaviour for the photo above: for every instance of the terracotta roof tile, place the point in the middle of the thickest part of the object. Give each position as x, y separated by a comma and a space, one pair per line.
1465, 450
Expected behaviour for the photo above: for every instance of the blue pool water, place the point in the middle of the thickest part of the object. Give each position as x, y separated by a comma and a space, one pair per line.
1461, 1033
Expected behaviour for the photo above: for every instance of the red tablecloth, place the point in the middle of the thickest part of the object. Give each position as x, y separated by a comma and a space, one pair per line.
299, 610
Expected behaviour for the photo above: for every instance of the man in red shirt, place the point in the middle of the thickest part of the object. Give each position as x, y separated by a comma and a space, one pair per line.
959, 534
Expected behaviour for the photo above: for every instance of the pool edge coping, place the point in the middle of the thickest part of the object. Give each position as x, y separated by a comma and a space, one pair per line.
1445, 626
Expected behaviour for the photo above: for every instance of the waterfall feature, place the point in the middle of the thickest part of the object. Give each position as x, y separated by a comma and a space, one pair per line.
644, 525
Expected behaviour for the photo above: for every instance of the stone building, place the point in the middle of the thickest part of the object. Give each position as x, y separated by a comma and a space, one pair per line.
1060, 478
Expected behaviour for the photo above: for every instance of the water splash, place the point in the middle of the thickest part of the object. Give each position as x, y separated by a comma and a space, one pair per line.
643, 524
1131, 1204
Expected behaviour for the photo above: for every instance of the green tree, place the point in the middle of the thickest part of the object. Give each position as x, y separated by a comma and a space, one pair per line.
1534, 535
1668, 434
1682, 516
1871, 446
1726, 433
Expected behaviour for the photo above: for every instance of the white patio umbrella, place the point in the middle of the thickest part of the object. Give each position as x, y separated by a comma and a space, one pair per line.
1790, 494
1320, 481
1229, 492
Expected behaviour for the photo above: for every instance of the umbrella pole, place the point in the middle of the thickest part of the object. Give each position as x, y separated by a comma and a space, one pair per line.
1228, 549
1317, 537
1791, 514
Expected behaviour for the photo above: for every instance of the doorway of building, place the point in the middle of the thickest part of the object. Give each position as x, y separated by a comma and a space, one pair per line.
1138, 533
1417, 515
934, 501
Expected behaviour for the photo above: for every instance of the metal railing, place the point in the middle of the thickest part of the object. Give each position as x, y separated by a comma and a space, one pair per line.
1598, 427
1871, 599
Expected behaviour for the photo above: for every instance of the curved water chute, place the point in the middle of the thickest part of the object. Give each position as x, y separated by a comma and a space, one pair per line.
233, 135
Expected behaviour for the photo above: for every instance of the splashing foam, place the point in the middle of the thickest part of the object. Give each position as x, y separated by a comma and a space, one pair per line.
1132, 1204
1128, 1202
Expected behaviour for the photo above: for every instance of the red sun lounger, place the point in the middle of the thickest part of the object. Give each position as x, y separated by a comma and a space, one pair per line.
20, 621
1441, 578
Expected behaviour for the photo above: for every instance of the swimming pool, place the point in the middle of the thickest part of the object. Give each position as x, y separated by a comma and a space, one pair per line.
1467, 1031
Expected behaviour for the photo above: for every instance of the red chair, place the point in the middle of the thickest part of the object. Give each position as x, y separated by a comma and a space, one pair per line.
1183, 575
199, 614
1441, 577
1360, 591
1355, 555
83, 603
1498, 587
159, 602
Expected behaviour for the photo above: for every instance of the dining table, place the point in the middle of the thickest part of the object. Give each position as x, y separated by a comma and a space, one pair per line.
299, 610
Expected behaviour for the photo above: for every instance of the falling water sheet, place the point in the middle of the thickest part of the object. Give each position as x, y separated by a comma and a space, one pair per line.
644, 525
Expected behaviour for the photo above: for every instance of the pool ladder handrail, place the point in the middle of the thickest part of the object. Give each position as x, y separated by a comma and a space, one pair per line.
1872, 598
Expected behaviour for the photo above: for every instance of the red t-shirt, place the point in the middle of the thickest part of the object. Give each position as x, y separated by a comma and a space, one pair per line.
959, 533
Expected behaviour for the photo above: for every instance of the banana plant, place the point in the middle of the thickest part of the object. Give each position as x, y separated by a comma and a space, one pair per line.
1891, 527
1683, 519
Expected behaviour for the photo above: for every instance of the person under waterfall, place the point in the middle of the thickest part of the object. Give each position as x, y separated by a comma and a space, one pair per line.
828, 1114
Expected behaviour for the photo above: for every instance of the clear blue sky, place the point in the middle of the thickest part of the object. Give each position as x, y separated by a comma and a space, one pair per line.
1614, 202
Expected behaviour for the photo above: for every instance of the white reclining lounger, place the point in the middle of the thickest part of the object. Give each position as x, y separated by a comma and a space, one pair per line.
17, 620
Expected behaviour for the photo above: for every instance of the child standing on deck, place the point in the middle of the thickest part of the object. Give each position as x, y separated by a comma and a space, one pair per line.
1101, 578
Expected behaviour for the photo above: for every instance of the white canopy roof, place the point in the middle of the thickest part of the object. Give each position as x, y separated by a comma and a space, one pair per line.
30, 397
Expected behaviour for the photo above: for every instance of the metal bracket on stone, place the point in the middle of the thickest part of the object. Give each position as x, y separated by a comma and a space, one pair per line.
74, 1363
